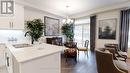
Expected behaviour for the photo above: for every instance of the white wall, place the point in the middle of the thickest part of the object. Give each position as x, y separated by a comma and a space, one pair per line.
107, 15
31, 13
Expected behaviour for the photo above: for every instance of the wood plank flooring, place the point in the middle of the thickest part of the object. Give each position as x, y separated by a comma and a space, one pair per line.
84, 64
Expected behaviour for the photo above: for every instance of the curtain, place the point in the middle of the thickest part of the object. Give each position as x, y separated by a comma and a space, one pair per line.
124, 30
92, 32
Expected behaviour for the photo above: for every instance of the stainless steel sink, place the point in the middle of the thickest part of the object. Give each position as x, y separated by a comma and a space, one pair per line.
21, 45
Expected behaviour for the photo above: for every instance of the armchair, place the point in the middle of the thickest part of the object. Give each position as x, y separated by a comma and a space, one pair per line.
118, 52
111, 50
106, 64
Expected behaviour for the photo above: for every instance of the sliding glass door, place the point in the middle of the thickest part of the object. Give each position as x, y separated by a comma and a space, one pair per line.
78, 35
81, 33
86, 33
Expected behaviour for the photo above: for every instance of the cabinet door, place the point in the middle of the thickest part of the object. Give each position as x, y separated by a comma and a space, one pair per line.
18, 21
5, 22
2, 53
46, 64
9, 61
13, 22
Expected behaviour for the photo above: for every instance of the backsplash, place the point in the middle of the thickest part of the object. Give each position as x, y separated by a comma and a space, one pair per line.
13, 36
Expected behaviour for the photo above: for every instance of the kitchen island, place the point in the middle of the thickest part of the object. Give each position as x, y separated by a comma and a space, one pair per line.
40, 58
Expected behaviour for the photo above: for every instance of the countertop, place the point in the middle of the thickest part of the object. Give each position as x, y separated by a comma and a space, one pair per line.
33, 52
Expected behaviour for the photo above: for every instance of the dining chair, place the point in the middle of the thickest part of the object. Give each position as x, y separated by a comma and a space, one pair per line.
85, 48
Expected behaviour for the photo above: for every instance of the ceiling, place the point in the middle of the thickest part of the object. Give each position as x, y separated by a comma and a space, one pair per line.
75, 6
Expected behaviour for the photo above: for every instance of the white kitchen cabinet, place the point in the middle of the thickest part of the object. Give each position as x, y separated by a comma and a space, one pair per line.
2, 54
18, 20
5, 23
15, 21
9, 61
45, 64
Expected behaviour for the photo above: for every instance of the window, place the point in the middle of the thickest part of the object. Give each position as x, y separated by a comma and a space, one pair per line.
78, 35
82, 31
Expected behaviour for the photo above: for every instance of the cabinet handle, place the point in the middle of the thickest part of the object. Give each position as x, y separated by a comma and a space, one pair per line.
7, 61
12, 24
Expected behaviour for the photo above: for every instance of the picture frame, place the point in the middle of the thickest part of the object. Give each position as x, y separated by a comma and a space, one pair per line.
107, 29
51, 26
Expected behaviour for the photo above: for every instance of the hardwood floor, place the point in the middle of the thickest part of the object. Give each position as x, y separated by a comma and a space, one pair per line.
84, 64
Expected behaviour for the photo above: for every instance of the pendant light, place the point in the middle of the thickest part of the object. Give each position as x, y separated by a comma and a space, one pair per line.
67, 20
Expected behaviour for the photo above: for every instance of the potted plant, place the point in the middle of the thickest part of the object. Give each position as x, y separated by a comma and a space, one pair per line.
67, 30
34, 29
